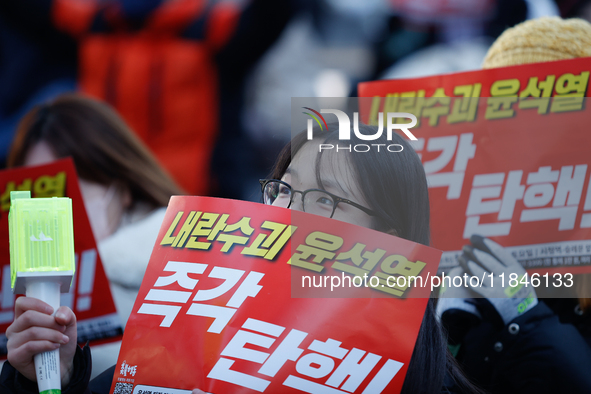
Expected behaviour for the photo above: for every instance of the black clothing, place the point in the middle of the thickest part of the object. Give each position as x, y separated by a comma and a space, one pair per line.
12, 382
542, 351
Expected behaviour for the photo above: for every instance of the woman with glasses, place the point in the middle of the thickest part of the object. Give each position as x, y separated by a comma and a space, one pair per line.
382, 190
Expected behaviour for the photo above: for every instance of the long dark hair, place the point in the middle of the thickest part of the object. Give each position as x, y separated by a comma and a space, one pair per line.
103, 147
394, 185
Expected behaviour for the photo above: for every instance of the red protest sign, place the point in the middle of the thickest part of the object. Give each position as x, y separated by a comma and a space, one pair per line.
512, 165
90, 296
215, 310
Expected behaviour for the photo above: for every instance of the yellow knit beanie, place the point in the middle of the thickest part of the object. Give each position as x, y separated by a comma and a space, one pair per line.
540, 40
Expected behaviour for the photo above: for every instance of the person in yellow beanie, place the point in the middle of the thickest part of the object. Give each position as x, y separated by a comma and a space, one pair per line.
547, 348
540, 40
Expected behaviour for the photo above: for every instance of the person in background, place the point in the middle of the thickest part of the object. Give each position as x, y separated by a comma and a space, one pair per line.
175, 70
125, 190
515, 342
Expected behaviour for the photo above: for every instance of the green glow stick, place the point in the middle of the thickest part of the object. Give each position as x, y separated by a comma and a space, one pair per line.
42, 263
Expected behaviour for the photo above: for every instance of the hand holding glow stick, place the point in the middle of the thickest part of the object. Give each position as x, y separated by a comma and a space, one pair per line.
42, 263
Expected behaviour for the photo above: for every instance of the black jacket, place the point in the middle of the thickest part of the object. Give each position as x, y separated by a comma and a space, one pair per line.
12, 382
546, 350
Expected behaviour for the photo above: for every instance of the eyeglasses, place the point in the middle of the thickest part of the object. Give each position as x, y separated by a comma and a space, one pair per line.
316, 201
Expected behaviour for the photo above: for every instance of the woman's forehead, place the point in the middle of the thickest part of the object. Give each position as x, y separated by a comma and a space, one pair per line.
40, 153
334, 169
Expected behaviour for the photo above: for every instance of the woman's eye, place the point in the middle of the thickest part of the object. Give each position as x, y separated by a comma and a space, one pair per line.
284, 190
324, 201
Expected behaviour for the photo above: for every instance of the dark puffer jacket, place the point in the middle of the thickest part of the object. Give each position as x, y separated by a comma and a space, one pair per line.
546, 350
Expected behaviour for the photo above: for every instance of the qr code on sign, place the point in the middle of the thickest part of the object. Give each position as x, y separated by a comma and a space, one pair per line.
123, 388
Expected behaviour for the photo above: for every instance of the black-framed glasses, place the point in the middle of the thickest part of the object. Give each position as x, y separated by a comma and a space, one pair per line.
316, 201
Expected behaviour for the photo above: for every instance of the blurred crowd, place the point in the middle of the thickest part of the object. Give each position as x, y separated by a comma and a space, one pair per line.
207, 84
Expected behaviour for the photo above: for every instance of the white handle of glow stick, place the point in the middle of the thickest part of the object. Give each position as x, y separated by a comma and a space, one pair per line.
47, 364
